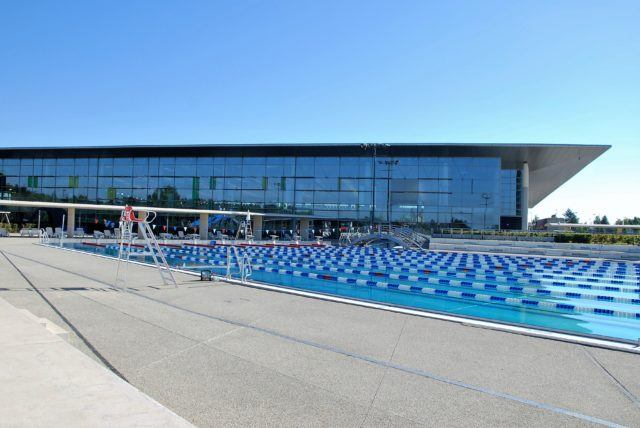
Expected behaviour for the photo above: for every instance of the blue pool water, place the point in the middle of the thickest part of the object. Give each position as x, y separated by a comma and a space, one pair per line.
584, 297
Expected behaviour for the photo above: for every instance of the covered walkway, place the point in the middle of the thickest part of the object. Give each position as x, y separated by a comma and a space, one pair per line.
257, 218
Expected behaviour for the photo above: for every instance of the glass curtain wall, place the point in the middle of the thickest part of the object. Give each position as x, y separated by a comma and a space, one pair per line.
457, 191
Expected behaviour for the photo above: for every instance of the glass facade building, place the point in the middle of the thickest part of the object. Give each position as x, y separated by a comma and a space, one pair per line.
430, 185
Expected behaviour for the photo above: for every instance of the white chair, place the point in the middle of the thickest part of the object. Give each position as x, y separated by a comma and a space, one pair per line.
98, 235
59, 233
3, 232
24, 232
181, 235
108, 234
78, 233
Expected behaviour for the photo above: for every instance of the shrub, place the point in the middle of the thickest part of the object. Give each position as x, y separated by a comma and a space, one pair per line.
588, 238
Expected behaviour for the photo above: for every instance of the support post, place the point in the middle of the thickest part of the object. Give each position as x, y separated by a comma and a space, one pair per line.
257, 227
304, 229
141, 214
524, 196
204, 226
71, 221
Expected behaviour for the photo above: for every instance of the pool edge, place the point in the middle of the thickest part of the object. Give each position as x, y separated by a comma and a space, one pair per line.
472, 322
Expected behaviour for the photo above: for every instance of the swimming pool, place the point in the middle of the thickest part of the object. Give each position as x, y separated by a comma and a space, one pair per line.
583, 297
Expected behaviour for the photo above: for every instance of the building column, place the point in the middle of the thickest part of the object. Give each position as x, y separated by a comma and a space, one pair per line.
524, 196
257, 227
204, 226
304, 229
71, 221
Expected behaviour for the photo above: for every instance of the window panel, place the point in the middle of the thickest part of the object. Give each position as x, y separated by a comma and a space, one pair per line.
183, 182
304, 183
203, 170
167, 167
11, 170
252, 196
233, 167
348, 184
166, 182
232, 195
105, 167
123, 170
327, 167
140, 182
121, 182
233, 183
349, 167
276, 170
325, 183
186, 161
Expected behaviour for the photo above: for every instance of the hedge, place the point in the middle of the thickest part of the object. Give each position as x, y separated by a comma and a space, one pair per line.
596, 238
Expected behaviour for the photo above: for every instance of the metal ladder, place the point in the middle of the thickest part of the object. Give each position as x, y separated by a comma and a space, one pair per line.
152, 249
242, 261
44, 236
248, 230
245, 228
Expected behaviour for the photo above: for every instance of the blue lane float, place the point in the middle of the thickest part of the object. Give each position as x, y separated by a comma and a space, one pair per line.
594, 297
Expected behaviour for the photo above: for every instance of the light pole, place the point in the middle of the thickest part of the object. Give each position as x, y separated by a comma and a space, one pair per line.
486, 198
390, 164
374, 153
279, 187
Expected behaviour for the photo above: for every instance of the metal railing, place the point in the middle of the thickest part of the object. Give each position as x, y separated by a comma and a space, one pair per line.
241, 259
44, 236
408, 236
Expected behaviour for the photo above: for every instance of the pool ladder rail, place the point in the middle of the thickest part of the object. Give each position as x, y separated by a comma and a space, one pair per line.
44, 237
243, 261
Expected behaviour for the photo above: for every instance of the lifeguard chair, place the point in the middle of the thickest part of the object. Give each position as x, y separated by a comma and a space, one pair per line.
151, 249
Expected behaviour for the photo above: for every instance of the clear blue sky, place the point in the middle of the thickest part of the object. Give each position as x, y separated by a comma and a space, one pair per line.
159, 72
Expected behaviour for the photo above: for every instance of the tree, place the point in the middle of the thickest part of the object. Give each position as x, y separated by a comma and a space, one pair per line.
597, 220
571, 217
604, 220
627, 220
164, 197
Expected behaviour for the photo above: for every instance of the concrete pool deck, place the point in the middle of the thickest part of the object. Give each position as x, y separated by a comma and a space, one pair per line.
226, 355
44, 381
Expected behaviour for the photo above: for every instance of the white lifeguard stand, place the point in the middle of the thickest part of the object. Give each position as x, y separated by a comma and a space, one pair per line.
245, 228
152, 248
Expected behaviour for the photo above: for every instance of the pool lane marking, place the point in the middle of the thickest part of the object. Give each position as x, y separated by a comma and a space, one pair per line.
361, 357
474, 284
65, 319
577, 281
623, 345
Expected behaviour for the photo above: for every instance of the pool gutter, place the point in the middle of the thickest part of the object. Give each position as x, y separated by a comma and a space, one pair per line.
472, 322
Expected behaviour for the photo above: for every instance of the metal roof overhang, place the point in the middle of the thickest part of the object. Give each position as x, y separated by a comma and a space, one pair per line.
550, 165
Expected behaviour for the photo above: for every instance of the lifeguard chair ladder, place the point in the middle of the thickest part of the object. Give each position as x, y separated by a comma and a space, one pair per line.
246, 229
151, 248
